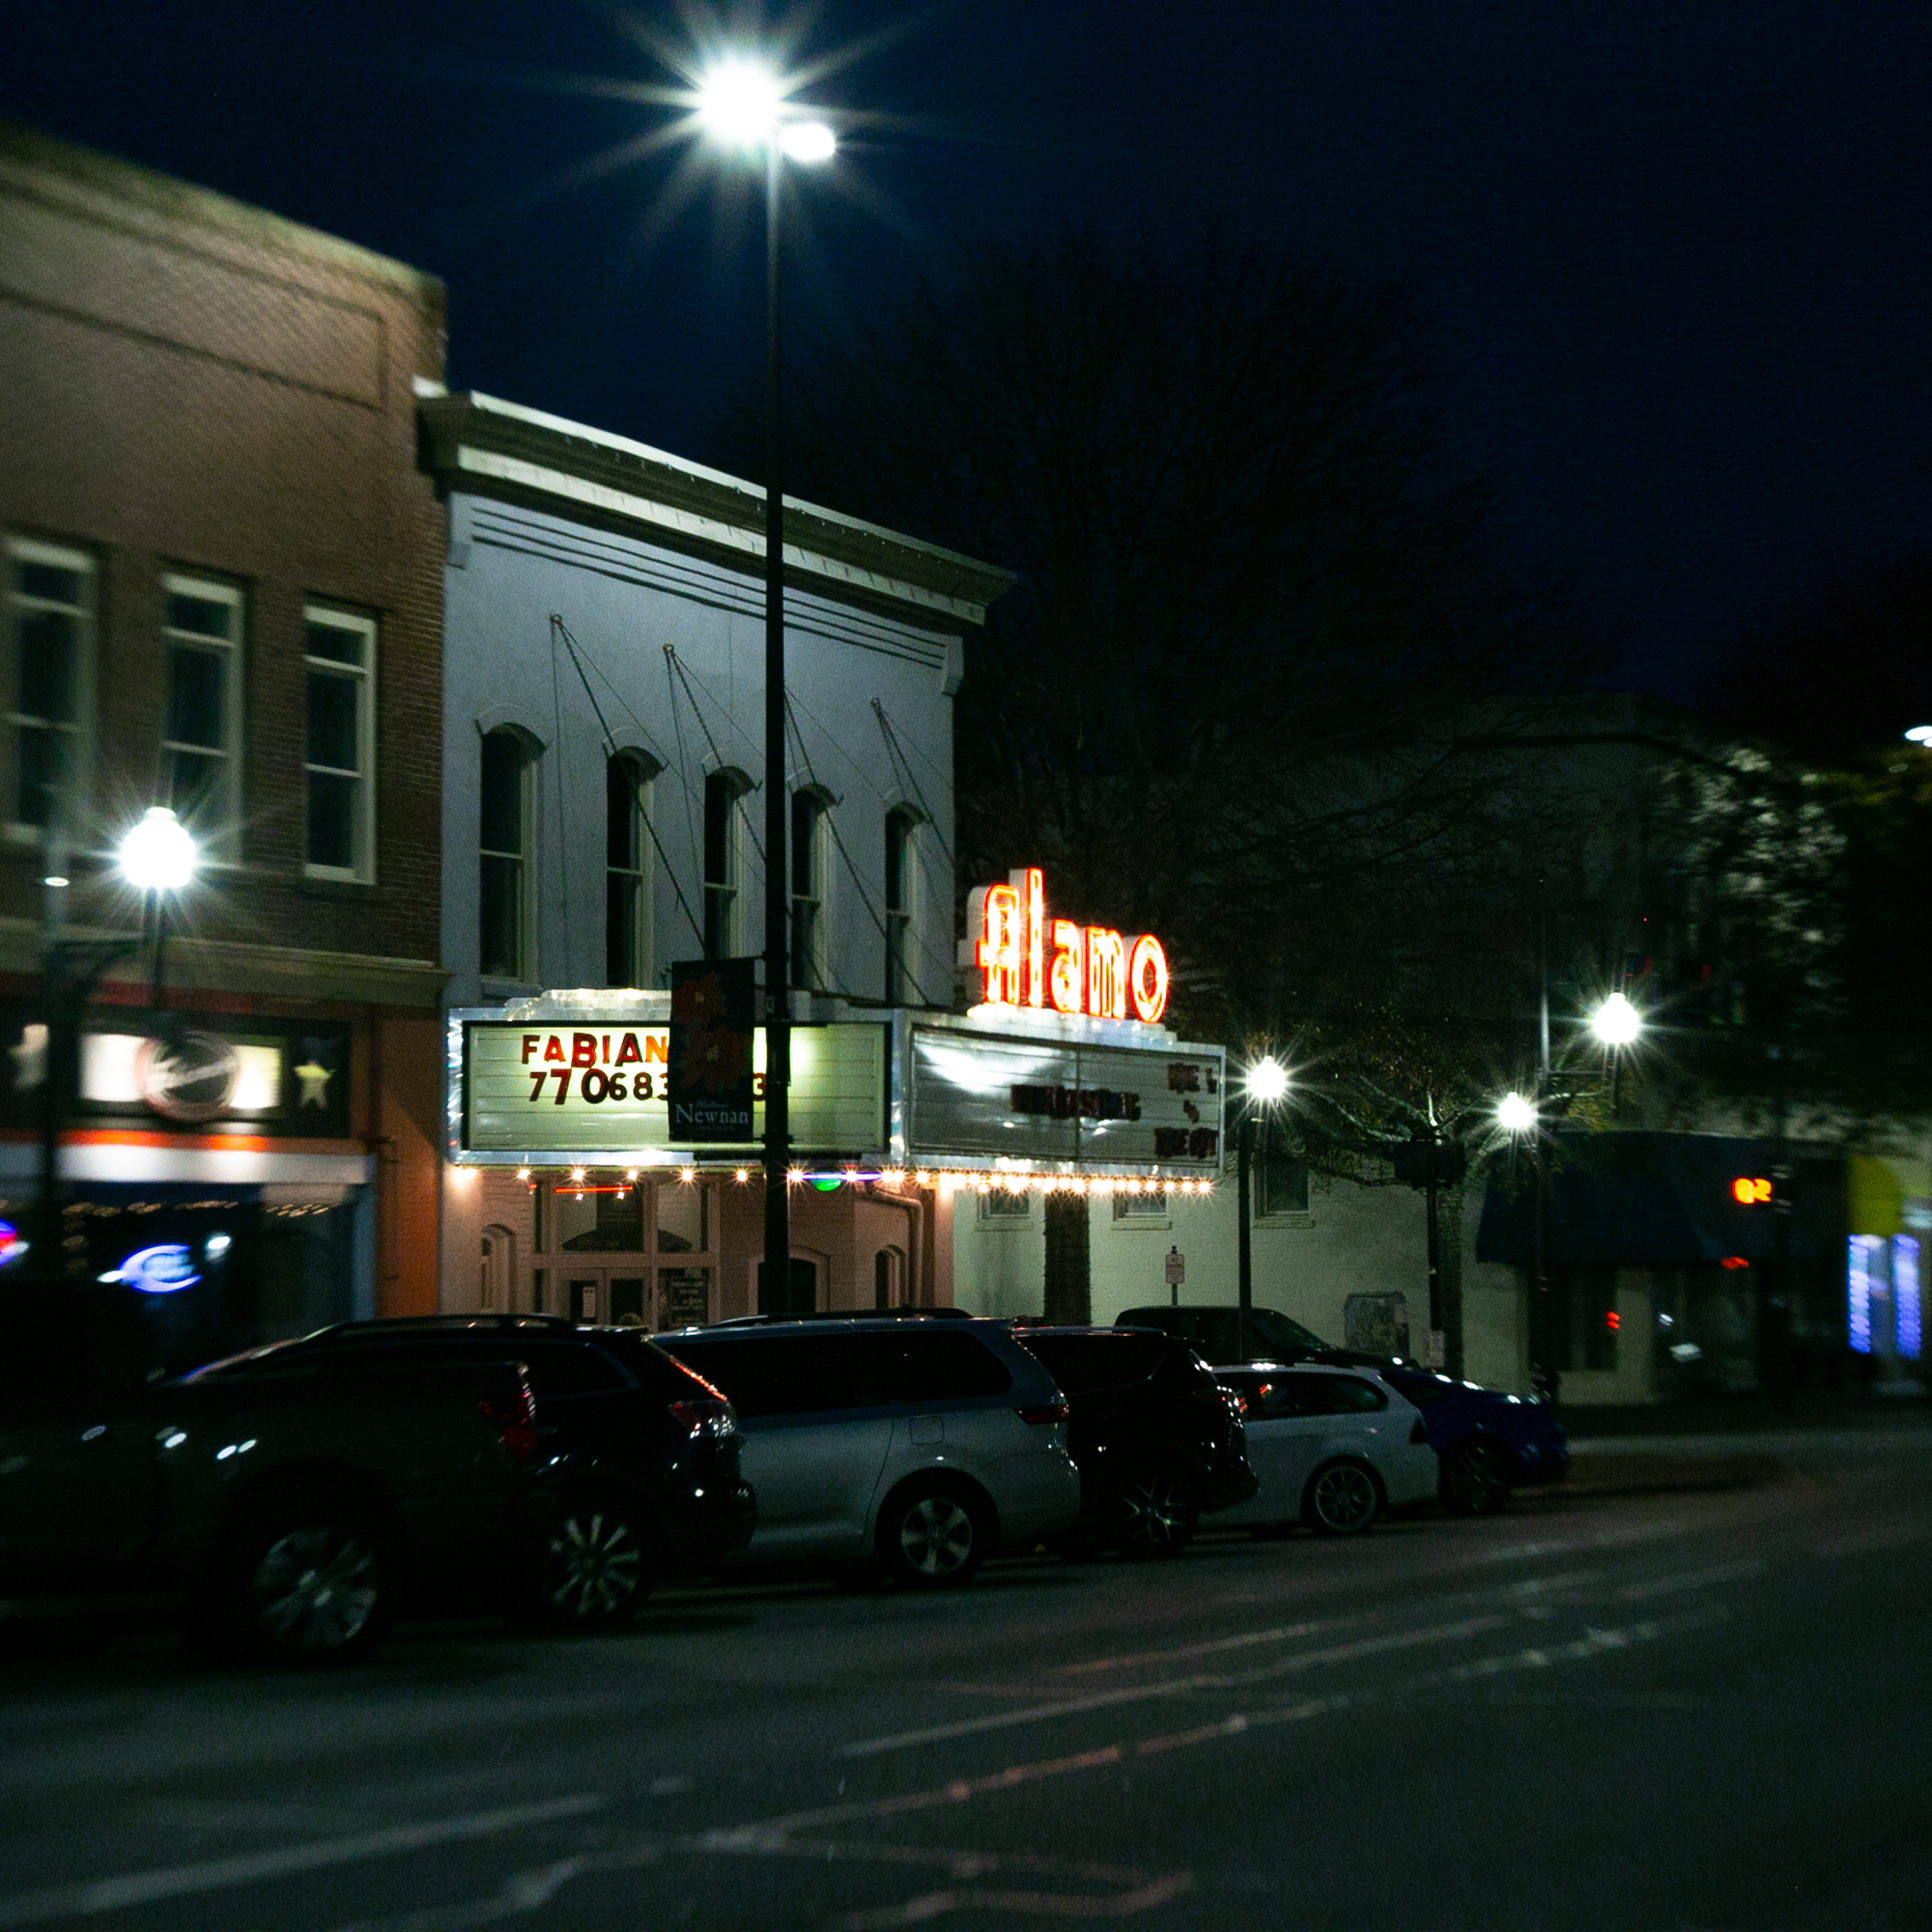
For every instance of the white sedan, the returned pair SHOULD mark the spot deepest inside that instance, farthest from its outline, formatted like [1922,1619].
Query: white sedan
[1333,1448]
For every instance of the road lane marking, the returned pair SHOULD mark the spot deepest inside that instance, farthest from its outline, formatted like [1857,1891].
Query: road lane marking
[1171,1687]
[1691,1579]
[1283,1635]
[1868,1541]
[94,1897]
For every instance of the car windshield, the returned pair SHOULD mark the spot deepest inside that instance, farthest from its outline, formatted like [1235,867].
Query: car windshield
[1082,1363]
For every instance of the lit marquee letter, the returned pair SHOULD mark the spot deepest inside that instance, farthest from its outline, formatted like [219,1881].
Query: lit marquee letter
[1031,885]
[1106,974]
[1146,977]
[1069,967]
[996,911]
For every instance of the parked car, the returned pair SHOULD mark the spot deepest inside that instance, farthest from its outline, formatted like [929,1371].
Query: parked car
[1333,1447]
[920,1447]
[292,1515]
[1157,1441]
[639,1456]
[1489,1442]
[1214,1330]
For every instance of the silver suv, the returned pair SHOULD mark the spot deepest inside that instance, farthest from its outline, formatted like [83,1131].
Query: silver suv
[922,1446]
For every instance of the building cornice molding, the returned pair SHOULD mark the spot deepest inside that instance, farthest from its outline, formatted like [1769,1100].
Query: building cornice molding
[479,443]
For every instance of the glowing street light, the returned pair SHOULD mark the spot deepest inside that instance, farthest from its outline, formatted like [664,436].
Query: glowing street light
[158,853]
[1267,1081]
[1616,1022]
[1514,1114]
[1919,734]
[743,103]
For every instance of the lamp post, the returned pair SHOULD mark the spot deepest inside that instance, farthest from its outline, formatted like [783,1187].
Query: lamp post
[1267,1083]
[158,857]
[743,103]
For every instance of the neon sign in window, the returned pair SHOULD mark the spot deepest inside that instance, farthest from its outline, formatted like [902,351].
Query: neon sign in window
[1858,1290]
[1905,1293]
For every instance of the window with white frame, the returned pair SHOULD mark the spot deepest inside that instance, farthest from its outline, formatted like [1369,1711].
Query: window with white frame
[627,869]
[201,744]
[901,886]
[52,600]
[504,843]
[807,889]
[998,1204]
[1281,1176]
[340,754]
[723,863]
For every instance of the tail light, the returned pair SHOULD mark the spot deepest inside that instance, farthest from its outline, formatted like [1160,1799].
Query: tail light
[1226,1398]
[1418,1431]
[709,1415]
[1045,1411]
[514,1418]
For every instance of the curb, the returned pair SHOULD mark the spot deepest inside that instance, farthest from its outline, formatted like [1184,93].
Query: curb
[1620,1475]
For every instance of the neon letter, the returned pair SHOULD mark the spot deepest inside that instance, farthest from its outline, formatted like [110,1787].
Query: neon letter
[996,911]
[1032,884]
[1070,966]
[1146,977]
[1106,974]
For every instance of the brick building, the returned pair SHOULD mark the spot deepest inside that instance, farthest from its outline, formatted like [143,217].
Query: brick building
[223,594]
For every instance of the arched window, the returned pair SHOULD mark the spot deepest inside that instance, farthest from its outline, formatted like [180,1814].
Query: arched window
[723,863]
[627,870]
[901,904]
[504,950]
[807,889]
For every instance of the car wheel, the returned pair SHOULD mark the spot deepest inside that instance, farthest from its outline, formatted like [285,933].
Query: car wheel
[1475,1478]
[932,1539]
[597,1568]
[308,1584]
[1342,1499]
[1151,1511]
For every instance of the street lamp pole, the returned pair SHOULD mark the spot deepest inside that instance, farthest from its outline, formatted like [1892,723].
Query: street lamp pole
[778,908]
[1266,1082]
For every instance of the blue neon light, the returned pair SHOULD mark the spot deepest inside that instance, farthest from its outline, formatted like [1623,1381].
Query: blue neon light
[1858,1291]
[1905,1293]
[166,1270]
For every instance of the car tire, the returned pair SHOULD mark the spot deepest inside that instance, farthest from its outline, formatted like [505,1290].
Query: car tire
[596,1566]
[1151,1511]
[933,1535]
[306,1583]
[1343,1498]
[1475,1478]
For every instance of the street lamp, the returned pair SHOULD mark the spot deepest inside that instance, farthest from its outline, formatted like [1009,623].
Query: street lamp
[158,857]
[1616,1022]
[1267,1083]
[1515,1114]
[742,103]
[1919,734]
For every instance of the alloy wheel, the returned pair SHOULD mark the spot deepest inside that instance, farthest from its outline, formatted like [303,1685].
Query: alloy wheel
[315,1590]
[597,1565]
[1477,1480]
[936,1536]
[1344,1498]
[1154,1514]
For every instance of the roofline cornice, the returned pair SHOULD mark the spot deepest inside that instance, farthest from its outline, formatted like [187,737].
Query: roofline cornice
[480,443]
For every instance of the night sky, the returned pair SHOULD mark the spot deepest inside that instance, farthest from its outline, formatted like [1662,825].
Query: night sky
[1677,253]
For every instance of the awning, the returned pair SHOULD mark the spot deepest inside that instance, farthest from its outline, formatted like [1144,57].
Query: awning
[1635,1198]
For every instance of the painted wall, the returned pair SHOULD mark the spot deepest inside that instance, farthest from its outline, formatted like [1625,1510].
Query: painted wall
[624,601]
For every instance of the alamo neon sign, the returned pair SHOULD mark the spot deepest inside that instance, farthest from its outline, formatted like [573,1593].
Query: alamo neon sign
[1030,960]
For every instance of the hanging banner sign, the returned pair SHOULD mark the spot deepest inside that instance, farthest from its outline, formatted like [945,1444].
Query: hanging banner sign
[709,1073]
[1027,959]
[555,1090]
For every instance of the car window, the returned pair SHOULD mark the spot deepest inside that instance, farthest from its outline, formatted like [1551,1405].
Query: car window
[1277,1331]
[773,1374]
[1301,1395]
[570,1368]
[1082,1363]
[924,1365]
[1349,1396]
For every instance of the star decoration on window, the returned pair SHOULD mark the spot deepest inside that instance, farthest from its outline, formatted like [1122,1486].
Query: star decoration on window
[315,1079]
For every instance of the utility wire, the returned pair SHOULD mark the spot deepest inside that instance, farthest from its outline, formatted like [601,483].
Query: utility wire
[697,711]
[902,765]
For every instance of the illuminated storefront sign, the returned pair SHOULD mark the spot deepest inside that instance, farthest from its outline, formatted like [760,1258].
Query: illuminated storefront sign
[1055,1102]
[1027,959]
[1752,1191]
[549,1089]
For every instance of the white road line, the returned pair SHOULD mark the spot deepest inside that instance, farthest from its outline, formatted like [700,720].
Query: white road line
[94,1896]
[1691,1579]
[1286,1633]
[1170,1687]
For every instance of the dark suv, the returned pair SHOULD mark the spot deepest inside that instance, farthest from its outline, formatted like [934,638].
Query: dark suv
[1157,1441]
[640,1453]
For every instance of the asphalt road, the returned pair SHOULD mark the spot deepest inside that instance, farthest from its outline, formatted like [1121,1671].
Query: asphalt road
[1700,1711]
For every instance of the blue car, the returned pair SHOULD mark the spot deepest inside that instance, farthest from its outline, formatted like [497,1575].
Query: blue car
[1487,1442]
